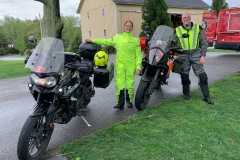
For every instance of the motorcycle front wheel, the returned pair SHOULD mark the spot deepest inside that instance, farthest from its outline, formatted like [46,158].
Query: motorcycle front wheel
[34,138]
[142,97]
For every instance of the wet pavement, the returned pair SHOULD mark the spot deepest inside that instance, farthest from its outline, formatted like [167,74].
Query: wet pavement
[16,103]
[10,57]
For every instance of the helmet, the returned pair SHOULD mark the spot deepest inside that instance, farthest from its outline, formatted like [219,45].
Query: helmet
[32,39]
[101,58]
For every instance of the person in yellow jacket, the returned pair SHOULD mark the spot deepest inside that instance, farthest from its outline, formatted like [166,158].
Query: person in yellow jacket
[128,63]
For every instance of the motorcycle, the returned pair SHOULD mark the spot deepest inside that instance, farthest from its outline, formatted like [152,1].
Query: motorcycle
[61,85]
[157,63]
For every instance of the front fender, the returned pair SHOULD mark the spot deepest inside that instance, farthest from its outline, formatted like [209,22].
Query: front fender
[40,108]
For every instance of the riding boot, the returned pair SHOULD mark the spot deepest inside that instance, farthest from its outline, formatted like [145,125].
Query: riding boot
[186,91]
[205,92]
[186,86]
[129,103]
[121,100]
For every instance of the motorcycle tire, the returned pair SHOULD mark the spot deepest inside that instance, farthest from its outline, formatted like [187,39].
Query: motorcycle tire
[142,97]
[34,138]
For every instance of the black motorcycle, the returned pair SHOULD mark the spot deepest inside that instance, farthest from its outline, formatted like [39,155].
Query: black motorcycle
[157,63]
[61,85]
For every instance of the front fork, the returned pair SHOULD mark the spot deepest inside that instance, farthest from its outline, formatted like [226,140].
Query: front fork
[152,81]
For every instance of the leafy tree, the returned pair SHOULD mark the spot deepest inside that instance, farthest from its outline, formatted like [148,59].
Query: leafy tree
[18,31]
[3,38]
[14,30]
[33,29]
[154,13]
[71,33]
[76,41]
[20,44]
[11,27]
[217,5]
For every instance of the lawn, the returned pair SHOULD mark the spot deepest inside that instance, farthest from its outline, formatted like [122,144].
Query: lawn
[11,69]
[172,130]
[222,50]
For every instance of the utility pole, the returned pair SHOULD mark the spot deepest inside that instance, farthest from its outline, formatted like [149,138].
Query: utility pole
[40,22]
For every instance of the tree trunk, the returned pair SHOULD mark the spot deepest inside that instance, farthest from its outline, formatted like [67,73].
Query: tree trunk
[51,23]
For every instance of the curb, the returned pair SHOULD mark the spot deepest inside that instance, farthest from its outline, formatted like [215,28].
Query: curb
[54,154]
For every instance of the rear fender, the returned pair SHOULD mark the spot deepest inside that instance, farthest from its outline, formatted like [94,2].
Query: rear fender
[40,108]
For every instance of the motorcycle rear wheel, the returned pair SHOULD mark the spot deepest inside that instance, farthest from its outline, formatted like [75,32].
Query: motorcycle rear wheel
[34,138]
[142,97]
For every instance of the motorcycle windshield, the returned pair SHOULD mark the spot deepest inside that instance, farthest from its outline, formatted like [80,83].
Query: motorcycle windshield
[161,38]
[47,57]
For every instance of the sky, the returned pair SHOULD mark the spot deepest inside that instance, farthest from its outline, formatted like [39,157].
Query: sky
[231,3]
[30,9]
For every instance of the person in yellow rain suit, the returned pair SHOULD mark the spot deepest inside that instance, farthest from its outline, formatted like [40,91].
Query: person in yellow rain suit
[128,63]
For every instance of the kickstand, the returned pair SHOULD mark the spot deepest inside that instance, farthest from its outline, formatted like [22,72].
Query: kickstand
[89,125]
[160,88]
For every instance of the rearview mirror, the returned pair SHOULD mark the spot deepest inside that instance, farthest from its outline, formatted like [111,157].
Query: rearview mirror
[204,24]
[147,28]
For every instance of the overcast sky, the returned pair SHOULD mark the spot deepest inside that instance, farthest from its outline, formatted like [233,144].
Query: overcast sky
[231,3]
[30,9]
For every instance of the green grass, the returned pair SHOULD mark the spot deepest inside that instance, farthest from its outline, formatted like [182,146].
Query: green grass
[11,69]
[172,130]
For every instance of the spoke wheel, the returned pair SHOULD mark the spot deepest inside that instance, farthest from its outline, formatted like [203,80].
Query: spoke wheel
[34,138]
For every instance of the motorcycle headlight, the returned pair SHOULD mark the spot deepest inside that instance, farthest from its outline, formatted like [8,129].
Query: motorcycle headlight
[45,82]
[155,56]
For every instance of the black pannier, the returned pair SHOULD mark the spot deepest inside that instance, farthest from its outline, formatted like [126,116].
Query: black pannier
[88,50]
[103,76]
[70,58]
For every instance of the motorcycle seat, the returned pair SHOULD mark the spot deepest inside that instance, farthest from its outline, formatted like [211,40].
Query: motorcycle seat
[83,66]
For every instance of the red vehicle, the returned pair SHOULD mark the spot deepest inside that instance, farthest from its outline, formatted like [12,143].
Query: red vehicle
[223,29]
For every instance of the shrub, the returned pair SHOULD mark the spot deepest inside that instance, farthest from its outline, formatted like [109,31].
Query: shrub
[12,51]
[2,51]
[31,45]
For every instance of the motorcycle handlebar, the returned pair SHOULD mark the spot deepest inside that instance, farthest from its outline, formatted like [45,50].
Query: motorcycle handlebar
[176,51]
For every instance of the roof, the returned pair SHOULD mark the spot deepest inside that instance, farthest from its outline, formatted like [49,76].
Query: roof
[172,3]
[129,1]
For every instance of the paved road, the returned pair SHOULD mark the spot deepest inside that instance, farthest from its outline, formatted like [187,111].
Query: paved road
[16,102]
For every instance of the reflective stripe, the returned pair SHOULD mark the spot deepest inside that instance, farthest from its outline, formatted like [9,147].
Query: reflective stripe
[182,39]
[192,41]
[194,36]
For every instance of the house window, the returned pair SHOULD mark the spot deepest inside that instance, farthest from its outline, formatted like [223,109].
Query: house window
[103,12]
[88,15]
[104,32]
[89,33]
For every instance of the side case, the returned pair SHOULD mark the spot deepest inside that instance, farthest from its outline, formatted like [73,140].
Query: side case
[103,76]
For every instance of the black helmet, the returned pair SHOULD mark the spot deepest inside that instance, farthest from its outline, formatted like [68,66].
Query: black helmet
[32,39]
